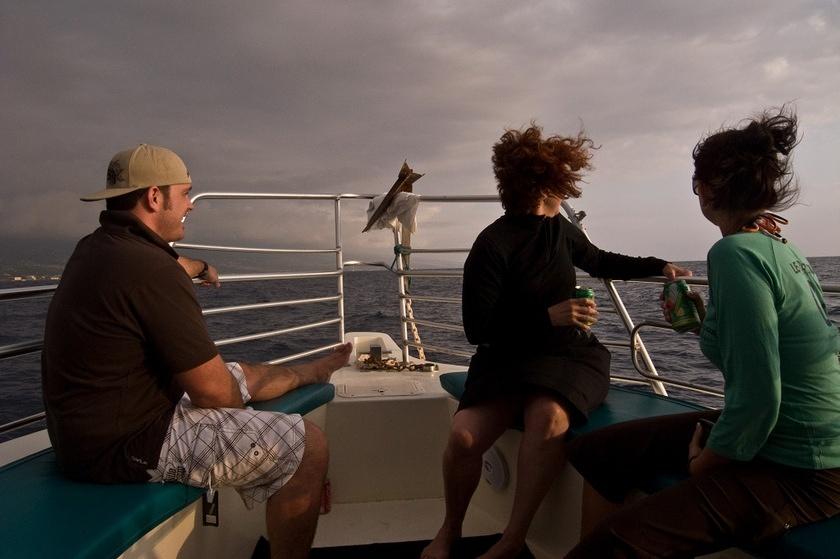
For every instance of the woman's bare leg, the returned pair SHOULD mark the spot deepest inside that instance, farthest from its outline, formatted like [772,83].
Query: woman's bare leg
[542,454]
[593,509]
[474,430]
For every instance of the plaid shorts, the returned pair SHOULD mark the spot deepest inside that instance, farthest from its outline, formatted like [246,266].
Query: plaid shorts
[255,452]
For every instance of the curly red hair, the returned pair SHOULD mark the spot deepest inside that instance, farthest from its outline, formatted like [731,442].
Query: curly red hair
[529,167]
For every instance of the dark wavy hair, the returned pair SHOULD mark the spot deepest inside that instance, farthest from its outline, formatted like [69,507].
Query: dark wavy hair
[749,168]
[528,167]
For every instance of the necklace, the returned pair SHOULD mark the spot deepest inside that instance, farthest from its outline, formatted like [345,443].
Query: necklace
[768,223]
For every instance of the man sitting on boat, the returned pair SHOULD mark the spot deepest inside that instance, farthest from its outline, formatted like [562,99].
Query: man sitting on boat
[134,388]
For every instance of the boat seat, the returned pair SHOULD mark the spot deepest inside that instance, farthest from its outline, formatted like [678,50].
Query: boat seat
[46,515]
[814,541]
[622,404]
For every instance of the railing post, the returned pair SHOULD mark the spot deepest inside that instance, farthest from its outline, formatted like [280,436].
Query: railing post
[618,303]
[657,386]
[402,291]
[339,264]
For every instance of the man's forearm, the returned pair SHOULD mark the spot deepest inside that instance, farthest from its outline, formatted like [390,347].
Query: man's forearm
[200,269]
[191,266]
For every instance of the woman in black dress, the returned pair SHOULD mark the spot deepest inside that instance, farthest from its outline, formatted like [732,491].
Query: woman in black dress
[537,361]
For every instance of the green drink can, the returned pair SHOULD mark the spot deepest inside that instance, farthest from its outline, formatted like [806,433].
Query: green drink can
[583,293]
[684,315]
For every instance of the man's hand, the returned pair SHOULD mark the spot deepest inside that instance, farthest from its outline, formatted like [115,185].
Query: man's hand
[582,313]
[210,277]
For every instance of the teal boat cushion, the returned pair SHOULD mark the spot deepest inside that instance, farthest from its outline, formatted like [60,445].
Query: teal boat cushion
[622,404]
[814,541]
[45,515]
[301,400]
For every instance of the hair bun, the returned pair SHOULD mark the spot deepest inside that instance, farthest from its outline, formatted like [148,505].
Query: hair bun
[748,168]
[782,129]
[758,140]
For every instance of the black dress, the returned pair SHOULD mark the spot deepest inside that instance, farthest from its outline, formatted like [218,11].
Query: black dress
[518,267]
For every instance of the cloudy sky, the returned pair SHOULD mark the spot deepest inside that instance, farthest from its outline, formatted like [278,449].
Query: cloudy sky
[333,96]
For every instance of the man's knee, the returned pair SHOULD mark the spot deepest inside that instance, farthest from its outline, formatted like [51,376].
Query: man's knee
[316,454]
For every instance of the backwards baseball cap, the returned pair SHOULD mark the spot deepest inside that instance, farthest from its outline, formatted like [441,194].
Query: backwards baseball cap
[141,167]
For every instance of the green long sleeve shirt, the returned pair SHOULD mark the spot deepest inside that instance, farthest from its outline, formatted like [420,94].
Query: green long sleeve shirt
[768,331]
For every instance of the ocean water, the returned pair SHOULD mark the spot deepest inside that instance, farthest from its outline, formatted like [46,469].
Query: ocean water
[371,304]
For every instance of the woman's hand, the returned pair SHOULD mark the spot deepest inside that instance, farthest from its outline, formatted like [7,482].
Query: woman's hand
[695,447]
[582,313]
[672,271]
[698,302]
[700,459]
[696,298]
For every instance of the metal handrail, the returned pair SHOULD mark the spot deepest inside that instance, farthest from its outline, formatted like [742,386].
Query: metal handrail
[23,421]
[20,348]
[302,354]
[258,249]
[638,351]
[271,305]
[440,349]
[273,333]
[11,293]
[634,338]
[430,299]
[438,325]
[434,250]
[33,346]
[430,273]
[279,275]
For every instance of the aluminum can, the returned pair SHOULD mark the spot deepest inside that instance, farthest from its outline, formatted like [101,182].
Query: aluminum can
[583,293]
[684,315]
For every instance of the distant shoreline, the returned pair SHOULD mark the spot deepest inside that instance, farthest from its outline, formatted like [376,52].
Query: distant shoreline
[24,277]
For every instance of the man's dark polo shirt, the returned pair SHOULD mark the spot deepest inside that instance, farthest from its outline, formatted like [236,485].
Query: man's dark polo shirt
[123,321]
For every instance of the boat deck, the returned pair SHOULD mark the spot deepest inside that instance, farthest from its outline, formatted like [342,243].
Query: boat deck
[393,521]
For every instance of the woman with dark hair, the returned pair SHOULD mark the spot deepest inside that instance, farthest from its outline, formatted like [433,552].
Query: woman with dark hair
[537,363]
[772,459]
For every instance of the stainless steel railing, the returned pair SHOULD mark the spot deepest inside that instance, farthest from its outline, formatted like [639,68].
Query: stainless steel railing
[575,218]
[640,357]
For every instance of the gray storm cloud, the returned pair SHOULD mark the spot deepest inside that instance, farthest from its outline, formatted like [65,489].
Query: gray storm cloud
[332,96]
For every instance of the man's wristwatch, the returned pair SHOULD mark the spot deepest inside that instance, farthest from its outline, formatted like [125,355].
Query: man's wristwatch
[203,271]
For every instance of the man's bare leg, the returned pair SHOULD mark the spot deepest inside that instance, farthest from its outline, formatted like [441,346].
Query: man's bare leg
[291,514]
[474,430]
[541,456]
[271,381]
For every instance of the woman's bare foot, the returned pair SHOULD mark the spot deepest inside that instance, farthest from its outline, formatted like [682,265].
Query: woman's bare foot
[505,548]
[440,547]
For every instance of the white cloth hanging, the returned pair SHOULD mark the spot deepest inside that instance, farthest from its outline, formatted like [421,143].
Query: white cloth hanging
[402,210]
